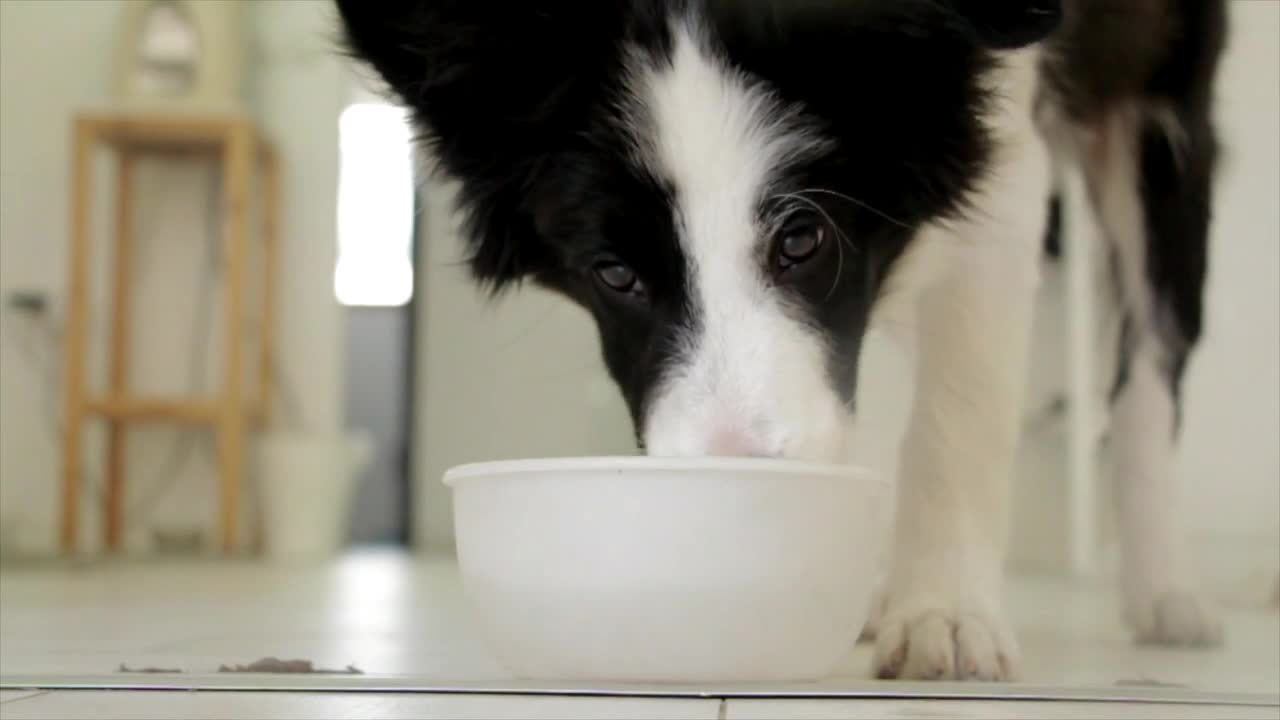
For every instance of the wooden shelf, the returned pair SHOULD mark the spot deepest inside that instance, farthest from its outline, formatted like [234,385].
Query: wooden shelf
[192,412]
[160,132]
[161,409]
[233,141]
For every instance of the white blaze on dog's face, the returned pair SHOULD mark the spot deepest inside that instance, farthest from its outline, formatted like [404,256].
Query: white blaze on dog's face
[726,186]
[750,375]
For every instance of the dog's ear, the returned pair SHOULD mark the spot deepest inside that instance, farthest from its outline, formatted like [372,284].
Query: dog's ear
[496,89]
[1008,24]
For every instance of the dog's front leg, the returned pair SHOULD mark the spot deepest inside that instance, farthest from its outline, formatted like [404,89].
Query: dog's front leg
[944,616]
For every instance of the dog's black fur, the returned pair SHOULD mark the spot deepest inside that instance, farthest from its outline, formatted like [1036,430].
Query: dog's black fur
[520,102]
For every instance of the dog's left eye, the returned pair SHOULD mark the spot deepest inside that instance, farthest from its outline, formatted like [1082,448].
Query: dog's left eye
[799,243]
[619,278]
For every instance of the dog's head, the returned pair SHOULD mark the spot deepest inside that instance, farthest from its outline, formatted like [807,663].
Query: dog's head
[724,184]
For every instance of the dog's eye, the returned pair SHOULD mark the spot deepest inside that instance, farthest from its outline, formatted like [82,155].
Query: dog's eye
[619,278]
[799,243]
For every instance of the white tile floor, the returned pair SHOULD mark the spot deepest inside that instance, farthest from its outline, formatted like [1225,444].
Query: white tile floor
[404,623]
[167,705]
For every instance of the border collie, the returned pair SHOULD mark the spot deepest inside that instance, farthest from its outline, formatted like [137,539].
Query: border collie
[736,190]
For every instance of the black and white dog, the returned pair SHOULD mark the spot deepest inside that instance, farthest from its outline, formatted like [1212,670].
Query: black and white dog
[738,189]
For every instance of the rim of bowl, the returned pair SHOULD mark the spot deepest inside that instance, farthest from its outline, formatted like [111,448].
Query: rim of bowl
[774,466]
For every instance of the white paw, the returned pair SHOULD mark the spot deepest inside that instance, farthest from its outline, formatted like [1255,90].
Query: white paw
[944,645]
[1178,619]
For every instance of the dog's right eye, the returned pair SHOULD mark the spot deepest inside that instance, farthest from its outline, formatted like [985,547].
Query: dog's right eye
[799,243]
[620,278]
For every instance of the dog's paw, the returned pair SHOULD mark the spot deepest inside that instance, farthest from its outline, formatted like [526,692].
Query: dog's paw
[938,645]
[1175,619]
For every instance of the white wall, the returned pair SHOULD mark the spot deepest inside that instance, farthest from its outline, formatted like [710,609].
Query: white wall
[55,58]
[299,87]
[1229,464]
[34,158]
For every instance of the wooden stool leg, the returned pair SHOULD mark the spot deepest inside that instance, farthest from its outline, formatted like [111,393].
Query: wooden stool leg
[270,264]
[238,176]
[120,340]
[77,317]
[267,309]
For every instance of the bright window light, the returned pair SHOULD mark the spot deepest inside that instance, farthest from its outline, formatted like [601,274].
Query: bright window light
[375,207]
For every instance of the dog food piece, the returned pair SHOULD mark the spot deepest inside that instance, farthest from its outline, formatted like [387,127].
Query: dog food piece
[286,667]
[147,670]
[1147,682]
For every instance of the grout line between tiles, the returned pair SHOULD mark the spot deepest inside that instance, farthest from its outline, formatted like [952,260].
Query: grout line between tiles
[28,696]
[865,691]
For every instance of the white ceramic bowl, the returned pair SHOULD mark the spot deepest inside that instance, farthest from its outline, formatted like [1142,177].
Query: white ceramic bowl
[643,569]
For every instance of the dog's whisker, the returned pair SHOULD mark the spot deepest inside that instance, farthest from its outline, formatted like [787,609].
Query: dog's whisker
[835,281]
[857,202]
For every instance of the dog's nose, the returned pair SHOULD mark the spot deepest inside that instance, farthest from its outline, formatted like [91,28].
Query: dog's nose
[733,442]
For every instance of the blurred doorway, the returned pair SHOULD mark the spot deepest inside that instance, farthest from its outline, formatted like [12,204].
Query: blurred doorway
[374,279]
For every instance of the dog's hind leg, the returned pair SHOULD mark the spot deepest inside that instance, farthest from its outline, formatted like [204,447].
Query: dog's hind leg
[1149,174]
